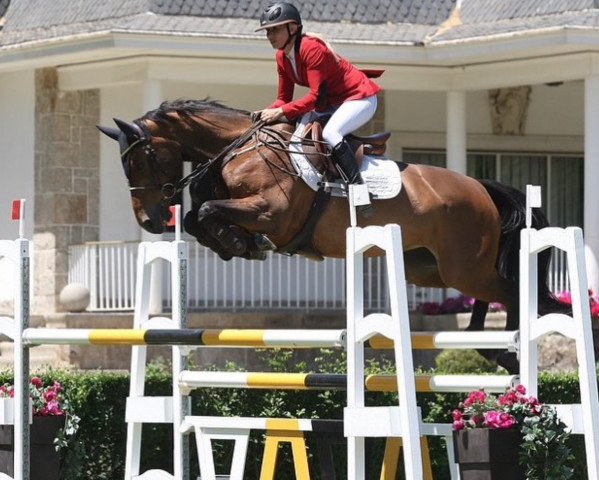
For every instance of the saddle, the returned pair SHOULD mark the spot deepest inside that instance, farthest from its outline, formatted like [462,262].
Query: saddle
[315,146]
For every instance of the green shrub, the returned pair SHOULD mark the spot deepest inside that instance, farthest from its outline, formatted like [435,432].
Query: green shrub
[463,361]
[99,399]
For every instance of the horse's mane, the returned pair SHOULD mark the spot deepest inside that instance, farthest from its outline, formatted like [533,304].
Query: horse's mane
[188,107]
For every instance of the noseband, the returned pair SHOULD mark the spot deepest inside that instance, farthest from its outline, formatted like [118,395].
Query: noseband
[168,190]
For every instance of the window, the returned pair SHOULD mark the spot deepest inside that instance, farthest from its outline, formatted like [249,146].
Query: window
[560,177]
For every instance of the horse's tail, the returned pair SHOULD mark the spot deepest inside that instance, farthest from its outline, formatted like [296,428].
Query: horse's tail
[511,204]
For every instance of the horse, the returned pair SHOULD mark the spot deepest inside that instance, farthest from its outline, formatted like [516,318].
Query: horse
[457,231]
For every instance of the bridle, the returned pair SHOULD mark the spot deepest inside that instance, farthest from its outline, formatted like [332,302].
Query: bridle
[170,190]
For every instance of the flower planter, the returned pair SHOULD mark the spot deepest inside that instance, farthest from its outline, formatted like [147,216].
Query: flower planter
[45,460]
[488,454]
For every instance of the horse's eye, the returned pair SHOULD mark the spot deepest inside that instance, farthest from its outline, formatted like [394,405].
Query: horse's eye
[139,166]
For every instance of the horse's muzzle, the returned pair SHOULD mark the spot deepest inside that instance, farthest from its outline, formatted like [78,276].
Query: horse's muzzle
[151,227]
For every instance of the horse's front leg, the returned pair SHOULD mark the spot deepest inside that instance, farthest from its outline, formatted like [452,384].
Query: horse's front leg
[235,225]
[191,226]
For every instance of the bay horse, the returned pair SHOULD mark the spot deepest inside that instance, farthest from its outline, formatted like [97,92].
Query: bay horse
[457,231]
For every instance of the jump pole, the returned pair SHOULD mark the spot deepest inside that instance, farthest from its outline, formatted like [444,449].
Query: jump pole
[190,380]
[257,338]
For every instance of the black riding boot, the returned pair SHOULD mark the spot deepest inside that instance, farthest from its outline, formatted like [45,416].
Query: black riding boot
[344,158]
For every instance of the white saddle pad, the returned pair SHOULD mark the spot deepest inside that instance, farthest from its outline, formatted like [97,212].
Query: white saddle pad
[381,174]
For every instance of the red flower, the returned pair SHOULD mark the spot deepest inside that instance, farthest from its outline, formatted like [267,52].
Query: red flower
[37,382]
[509,410]
[478,396]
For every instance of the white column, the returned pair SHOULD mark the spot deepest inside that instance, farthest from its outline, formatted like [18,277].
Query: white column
[456,131]
[591,174]
[152,98]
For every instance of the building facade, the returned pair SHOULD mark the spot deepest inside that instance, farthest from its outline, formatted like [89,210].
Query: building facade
[496,89]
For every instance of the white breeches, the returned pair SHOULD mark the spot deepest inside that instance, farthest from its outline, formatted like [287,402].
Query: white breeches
[350,116]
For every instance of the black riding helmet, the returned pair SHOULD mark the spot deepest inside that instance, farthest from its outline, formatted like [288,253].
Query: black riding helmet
[279,14]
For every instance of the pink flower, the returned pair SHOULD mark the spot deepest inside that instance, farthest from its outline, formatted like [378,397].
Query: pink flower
[53,408]
[458,425]
[501,420]
[49,395]
[510,399]
[565,297]
[457,415]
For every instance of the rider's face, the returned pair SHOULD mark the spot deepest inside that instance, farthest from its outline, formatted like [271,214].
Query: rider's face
[278,36]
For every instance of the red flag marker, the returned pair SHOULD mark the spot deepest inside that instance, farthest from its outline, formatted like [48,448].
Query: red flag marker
[18,213]
[172,222]
[16,209]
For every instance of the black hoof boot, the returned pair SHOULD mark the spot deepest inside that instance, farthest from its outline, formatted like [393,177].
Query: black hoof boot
[509,361]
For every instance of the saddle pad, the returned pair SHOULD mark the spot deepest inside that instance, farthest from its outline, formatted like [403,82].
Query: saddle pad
[380,173]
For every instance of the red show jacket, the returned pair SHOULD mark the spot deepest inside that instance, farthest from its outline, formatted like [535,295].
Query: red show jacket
[332,80]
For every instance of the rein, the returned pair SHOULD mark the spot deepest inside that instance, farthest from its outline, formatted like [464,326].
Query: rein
[277,141]
[202,169]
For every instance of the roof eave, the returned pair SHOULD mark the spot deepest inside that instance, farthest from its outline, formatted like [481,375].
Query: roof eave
[114,44]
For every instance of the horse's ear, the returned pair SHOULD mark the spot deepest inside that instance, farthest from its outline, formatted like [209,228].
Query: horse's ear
[109,132]
[131,130]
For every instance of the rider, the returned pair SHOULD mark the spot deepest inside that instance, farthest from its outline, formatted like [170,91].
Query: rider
[334,83]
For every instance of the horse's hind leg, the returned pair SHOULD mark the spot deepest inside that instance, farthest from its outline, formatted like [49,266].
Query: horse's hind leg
[507,360]
[479,313]
[487,288]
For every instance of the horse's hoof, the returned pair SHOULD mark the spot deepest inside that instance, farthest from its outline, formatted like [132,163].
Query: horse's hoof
[254,255]
[226,256]
[231,242]
[509,361]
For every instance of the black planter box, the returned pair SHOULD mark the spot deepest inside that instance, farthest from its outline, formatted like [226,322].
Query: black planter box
[45,460]
[488,454]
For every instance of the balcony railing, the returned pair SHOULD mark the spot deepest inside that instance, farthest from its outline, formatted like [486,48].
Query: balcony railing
[108,270]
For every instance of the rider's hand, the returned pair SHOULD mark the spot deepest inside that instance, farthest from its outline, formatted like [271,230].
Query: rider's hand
[255,116]
[270,115]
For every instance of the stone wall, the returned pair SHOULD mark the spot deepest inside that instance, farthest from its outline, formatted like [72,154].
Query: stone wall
[67,152]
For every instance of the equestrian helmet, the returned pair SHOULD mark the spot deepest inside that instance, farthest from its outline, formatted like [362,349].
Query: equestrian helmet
[279,14]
